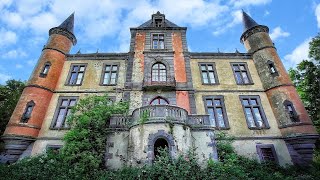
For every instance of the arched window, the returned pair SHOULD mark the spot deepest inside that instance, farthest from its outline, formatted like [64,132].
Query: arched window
[27,112]
[159,72]
[45,69]
[159,101]
[291,112]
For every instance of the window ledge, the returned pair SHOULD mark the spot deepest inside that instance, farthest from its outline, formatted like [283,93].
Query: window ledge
[258,128]
[107,84]
[246,84]
[52,128]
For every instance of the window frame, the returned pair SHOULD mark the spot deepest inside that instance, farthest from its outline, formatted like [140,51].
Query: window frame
[53,147]
[270,65]
[158,34]
[264,146]
[158,71]
[294,114]
[70,72]
[25,117]
[158,98]
[246,70]
[222,106]
[57,110]
[42,74]
[261,110]
[104,71]
[207,71]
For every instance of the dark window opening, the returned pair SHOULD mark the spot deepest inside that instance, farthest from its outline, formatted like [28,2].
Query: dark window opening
[267,152]
[159,101]
[159,72]
[158,41]
[272,68]
[291,112]
[55,149]
[159,144]
[158,23]
[27,112]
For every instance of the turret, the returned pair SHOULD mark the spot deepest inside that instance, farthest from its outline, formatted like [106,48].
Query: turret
[26,120]
[293,120]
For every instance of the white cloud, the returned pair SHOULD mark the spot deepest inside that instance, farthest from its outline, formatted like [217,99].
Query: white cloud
[7,37]
[19,66]
[278,33]
[242,3]
[266,13]
[237,19]
[4,78]
[317,13]
[16,53]
[299,53]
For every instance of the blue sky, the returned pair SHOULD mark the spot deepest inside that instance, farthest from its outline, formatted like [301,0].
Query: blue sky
[103,25]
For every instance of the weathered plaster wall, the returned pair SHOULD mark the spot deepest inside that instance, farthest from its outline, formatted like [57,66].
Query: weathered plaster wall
[92,76]
[248,148]
[227,81]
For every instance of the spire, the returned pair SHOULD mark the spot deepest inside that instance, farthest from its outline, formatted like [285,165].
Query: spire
[248,22]
[68,23]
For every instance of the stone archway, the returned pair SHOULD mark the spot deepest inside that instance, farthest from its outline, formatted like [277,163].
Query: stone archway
[159,139]
[159,143]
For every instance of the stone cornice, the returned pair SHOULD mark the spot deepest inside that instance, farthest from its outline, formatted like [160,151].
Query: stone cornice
[253,30]
[63,32]
[219,55]
[98,56]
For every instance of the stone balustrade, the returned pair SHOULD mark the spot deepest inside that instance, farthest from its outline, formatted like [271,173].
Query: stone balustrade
[169,83]
[159,113]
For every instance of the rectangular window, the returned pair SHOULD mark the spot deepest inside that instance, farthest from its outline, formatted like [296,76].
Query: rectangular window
[267,152]
[54,148]
[76,74]
[254,113]
[241,73]
[109,74]
[62,112]
[157,41]
[217,111]
[208,73]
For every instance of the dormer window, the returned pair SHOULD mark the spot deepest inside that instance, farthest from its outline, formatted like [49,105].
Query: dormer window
[158,20]
[158,23]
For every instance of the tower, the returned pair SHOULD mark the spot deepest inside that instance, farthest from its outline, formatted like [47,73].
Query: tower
[292,118]
[26,120]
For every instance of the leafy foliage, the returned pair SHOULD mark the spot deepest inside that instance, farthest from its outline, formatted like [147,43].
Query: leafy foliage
[9,96]
[306,78]
[86,141]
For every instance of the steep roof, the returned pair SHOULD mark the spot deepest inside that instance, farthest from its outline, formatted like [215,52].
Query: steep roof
[68,24]
[166,23]
[248,22]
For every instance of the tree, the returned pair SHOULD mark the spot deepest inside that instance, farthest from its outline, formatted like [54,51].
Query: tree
[306,78]
[9,96]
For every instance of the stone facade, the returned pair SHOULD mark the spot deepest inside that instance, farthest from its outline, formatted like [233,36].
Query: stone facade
[186,98]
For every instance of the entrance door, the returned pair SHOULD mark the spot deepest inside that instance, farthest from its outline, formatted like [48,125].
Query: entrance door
[160,143]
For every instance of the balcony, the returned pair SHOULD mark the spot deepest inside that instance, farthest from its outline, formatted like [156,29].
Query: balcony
[159,114]
[150,84]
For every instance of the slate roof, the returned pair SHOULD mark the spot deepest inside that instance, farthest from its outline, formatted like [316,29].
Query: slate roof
[68,24]
[248,22]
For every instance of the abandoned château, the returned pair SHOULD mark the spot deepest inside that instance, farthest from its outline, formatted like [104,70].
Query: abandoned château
[188,97]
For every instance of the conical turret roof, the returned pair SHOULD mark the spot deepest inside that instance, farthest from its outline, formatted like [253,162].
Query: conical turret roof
[248,22]
[68,23]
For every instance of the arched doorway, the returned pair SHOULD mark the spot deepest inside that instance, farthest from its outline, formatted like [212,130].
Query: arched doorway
[160,143]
